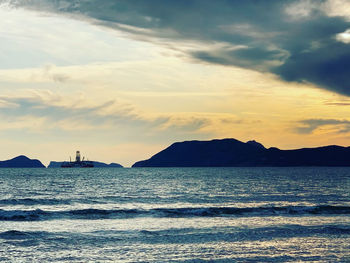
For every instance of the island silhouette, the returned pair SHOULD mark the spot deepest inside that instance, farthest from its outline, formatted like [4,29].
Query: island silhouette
[21,162]
[82,163]
[219,153]
[24,162]
[54,164]
[232,152]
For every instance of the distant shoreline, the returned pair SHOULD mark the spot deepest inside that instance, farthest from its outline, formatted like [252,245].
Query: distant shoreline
[220,153]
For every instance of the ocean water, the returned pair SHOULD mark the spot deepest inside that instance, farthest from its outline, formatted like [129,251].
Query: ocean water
[175,215]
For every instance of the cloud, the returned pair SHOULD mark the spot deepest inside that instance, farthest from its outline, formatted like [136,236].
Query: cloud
[255,58]
[300,9]
[338,103]
[339,8]
[45,111]
[310,125]
[344,37]
[65,113]
[49,73]
[302,41]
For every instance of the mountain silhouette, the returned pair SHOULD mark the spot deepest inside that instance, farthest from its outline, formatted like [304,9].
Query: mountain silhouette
[231,152]
[21,162]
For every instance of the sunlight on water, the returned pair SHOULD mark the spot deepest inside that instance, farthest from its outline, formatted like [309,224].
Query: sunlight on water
[184,215]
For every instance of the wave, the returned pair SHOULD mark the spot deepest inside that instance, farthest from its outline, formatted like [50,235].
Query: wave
[175,235]
[35,201]
[13,234]
[256,211]
[38,214]
[60,201]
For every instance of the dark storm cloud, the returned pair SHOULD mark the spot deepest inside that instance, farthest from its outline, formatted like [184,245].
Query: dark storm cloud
[299,45]
[310,125]
[255,58]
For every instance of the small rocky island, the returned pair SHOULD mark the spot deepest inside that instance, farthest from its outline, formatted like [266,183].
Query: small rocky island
[21,162]
[82,163]
[54,164]
[234,153]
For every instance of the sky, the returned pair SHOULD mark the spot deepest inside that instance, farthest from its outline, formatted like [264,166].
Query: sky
[120,80]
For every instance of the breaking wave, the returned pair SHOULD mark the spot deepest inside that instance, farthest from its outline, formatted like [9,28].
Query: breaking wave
[38,214]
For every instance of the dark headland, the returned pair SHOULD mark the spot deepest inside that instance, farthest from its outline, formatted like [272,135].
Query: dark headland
[231,153]
[21,162]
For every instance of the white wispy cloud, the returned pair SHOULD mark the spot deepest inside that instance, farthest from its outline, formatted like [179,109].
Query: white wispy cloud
[50,110]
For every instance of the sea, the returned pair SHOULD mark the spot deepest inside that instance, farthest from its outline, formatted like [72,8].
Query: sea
[175,215]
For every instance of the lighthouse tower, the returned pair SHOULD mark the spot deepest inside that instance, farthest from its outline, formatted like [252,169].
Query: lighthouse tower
[77,158]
